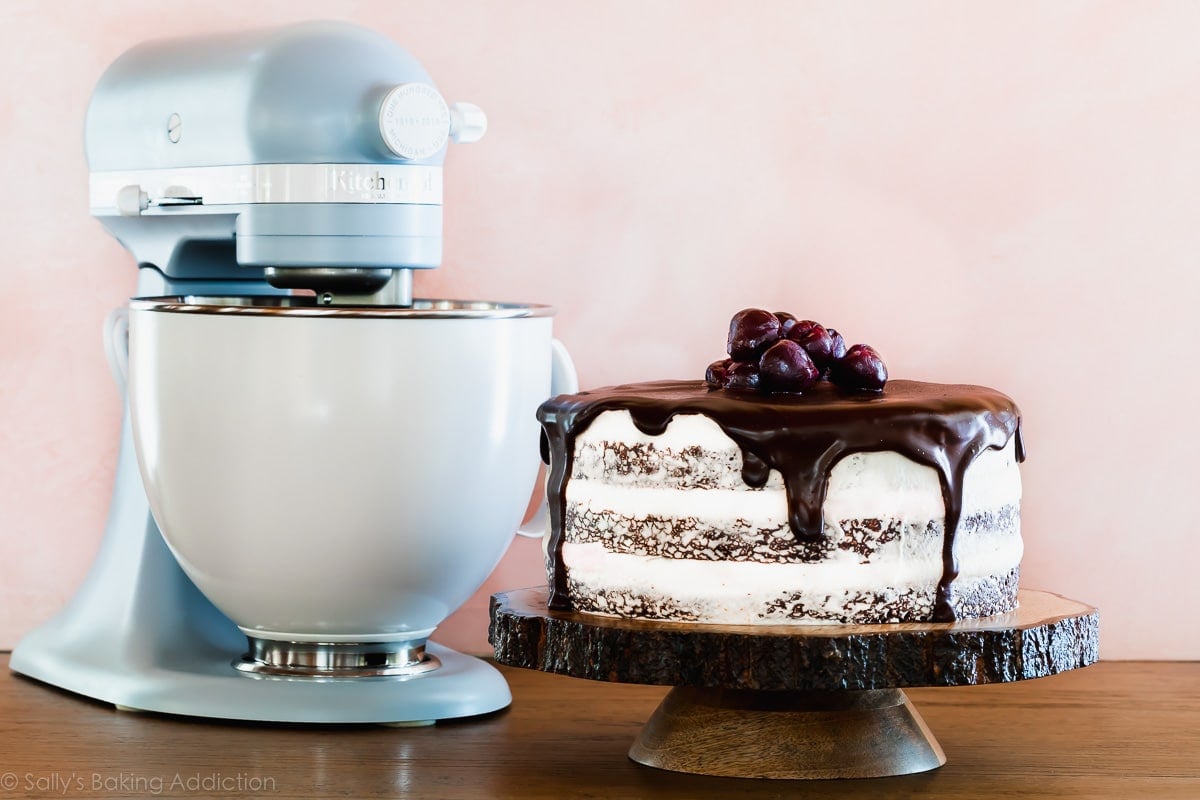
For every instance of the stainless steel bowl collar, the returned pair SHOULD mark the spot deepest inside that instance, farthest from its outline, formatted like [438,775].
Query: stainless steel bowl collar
[307,306]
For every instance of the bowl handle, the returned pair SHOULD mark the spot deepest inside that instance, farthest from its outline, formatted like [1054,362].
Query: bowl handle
[563,380]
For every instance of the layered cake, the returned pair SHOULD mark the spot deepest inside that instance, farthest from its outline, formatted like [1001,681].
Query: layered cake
[693,501]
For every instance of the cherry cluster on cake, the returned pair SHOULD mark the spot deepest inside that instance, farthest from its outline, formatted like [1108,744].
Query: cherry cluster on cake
[775,352]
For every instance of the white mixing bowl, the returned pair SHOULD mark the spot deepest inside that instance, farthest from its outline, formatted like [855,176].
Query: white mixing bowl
[338,474]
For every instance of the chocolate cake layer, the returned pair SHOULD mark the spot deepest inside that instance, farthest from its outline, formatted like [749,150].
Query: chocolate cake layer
[738,540]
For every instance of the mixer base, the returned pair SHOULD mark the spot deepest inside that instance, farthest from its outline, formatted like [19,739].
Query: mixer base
[208,686]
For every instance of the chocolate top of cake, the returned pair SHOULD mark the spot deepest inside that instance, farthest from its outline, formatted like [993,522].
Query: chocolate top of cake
[802,436]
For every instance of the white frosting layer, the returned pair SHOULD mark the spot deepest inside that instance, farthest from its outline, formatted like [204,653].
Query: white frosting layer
[683,431]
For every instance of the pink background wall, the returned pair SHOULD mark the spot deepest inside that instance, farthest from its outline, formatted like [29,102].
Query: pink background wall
[991,193]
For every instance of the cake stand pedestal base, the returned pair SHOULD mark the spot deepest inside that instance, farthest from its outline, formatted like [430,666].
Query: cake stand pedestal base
[793,701]
[755,734]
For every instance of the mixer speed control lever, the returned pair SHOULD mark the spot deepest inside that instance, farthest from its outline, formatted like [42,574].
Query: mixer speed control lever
[132,201]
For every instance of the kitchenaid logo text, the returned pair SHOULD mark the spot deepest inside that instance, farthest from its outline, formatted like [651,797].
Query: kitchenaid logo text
[353,181]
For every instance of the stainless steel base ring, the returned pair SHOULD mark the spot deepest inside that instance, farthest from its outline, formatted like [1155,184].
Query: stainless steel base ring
[335,660]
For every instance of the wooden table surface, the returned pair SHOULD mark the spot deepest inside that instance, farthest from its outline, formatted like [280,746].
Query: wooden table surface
[1123,730]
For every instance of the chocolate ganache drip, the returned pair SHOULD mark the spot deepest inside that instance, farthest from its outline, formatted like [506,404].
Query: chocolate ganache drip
[802,436]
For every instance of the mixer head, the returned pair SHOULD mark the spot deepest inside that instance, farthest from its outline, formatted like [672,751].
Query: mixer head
[309,156]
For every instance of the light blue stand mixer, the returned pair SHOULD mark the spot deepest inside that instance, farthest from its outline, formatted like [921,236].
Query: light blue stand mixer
[309,158]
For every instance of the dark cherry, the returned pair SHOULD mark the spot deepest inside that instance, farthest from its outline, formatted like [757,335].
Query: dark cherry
[786,322]
[816,341]
[743,375]
[786,367]
[861,368]
[839,344]
[751,331]
[717,373]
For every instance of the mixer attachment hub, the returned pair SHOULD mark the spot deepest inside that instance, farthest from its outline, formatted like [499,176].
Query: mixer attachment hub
[335,660]
[344,286]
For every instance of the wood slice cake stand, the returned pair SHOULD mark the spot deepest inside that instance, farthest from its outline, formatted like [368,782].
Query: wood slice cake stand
[793,701]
